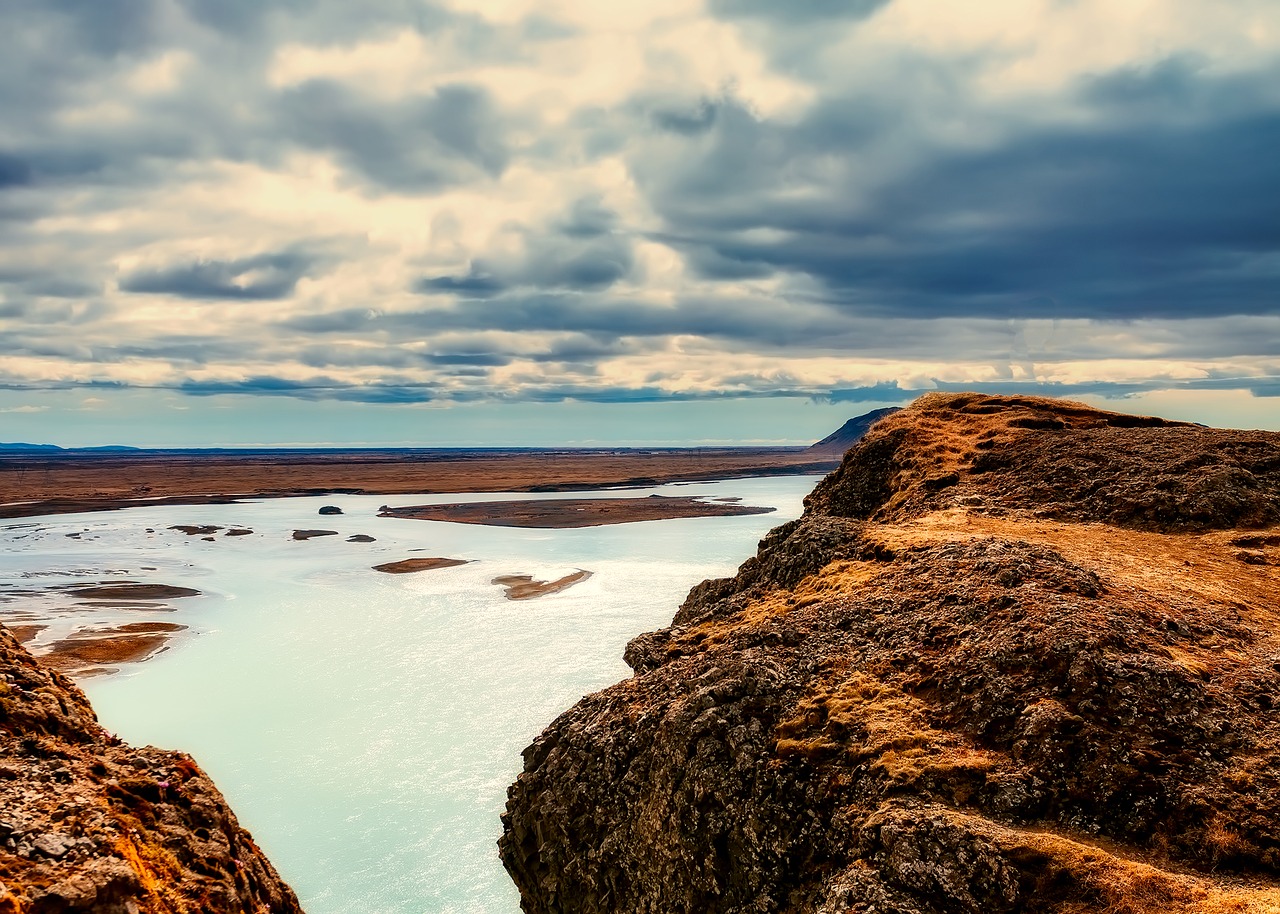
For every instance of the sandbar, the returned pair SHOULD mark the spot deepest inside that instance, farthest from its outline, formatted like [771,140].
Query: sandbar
[563,513]
[133,592]
[25,632]
[406,566]
[524,587]
[132,642]
[309,534]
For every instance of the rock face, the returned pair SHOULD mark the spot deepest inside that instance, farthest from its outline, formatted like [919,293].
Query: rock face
[849,434]
[89,824]
[1017,655]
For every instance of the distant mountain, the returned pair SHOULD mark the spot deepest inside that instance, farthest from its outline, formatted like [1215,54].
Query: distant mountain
[849,434]
[19,447]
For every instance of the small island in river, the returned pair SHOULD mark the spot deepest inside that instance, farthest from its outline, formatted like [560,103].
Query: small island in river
[524,587]
[408,566]
[563,513]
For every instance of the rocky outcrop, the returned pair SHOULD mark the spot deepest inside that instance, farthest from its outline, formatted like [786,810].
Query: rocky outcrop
[1017,655]
[849,434]
[89,824]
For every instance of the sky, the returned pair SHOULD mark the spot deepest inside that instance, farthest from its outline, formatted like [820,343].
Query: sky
[235,222]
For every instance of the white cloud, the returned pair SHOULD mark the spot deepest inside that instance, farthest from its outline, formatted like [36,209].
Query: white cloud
[789,205]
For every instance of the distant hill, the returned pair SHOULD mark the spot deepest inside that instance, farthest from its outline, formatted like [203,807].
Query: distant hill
[19,447]
[849,434]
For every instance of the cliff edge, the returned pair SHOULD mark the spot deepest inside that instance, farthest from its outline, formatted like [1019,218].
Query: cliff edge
[89,824]
[1017,655]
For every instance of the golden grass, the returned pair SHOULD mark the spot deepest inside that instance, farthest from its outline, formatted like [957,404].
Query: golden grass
[1184,571]
[1102,877]
[869,719]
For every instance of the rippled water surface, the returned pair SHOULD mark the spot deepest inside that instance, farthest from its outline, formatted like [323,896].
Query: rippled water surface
[365,726]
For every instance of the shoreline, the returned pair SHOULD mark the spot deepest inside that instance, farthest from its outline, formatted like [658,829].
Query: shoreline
[67,485]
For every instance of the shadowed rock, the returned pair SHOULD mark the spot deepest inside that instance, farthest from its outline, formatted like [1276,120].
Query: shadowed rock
[1009,660]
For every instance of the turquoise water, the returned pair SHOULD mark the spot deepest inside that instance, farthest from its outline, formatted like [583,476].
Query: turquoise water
[365,726]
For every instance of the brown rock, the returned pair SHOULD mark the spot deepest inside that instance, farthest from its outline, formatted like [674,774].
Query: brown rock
[311,534]
[1008,660]
[91,825]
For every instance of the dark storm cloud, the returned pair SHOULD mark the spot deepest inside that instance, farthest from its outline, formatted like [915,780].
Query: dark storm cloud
[472,284]
[14,171]
[106,27]
[588,218]
[322,388]
[424,142]
[486,359]
[757,322]
[62,54]
[1119,219]
[263,277]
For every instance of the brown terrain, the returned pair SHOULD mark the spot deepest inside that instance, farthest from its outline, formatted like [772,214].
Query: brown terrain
[408,566]
[573,512]
[89,824]
[97,649]
[1018,655]
[524,587]
[36,484]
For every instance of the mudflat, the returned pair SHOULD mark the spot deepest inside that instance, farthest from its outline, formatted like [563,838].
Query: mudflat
[524,587]
[92,650]
[32,485]
[408,566]
[573,512]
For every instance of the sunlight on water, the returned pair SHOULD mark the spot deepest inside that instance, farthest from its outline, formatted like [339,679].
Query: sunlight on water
[365,726]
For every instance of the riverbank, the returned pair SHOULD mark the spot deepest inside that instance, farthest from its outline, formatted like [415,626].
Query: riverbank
[37,485]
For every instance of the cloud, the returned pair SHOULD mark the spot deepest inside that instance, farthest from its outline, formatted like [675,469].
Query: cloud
[1102,219]
[637,202]
[797,13]
[23,409]
[262,277]
[453,135]
[580,250]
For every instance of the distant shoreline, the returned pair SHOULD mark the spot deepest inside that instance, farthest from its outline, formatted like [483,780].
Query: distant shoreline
[35,484]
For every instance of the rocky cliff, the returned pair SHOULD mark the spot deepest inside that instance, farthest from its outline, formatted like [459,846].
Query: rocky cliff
[1017,655]
[89,824]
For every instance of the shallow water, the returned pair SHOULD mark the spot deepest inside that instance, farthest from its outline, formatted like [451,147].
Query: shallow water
[365,726]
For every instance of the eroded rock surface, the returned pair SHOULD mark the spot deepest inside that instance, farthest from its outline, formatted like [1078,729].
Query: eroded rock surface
[89,824]
[1010,659]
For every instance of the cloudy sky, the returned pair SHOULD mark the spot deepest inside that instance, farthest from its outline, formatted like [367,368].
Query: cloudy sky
[533,221]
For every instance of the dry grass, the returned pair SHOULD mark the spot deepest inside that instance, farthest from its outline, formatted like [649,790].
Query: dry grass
[1126,884]
[867,719]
